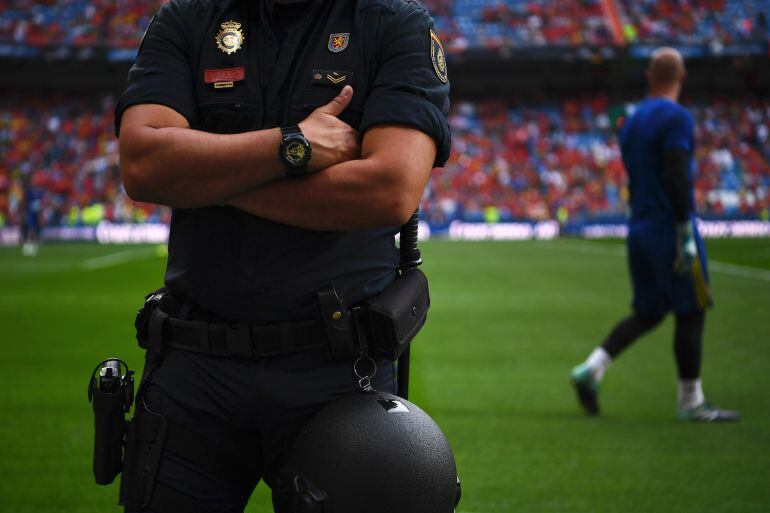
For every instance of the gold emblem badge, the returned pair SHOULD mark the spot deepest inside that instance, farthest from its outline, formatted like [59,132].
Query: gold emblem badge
[437,57]
[338,42]
[230,38]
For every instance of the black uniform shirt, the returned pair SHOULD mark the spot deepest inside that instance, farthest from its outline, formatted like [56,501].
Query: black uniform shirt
[218,63]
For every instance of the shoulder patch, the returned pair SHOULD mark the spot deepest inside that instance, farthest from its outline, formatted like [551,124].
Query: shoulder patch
[438,57]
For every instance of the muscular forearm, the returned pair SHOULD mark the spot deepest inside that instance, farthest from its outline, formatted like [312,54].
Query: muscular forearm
[186,168]
[354,195]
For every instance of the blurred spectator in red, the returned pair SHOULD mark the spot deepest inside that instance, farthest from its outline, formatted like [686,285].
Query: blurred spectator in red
[69,147]
[562,161]
[552,159]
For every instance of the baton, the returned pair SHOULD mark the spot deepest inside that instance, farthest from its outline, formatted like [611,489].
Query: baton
[409,259]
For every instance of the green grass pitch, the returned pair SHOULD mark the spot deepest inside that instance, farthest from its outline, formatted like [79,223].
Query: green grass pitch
[507,323]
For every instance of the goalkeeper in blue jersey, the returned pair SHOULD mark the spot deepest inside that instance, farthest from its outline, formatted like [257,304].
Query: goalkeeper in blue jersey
[666,255]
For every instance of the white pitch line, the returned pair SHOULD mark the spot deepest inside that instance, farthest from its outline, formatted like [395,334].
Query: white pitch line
[119,258]
[739,270]
[593,248]
[743,271]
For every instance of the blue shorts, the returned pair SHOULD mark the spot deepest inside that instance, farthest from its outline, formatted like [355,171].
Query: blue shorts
[657,289]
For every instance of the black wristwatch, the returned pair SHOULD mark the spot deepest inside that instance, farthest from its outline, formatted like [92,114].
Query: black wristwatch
[295,151]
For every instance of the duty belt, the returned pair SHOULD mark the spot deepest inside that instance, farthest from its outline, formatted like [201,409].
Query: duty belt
[240,340]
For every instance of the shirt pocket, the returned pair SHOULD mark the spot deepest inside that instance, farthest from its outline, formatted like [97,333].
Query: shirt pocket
[302,106]
[227,115]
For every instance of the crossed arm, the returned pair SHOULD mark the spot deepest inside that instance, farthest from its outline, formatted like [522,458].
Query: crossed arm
[382,188]
[164,161]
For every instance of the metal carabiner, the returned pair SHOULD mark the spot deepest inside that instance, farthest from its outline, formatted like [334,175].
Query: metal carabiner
[365,380]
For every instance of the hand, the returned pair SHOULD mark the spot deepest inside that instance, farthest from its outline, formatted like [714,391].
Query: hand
[686,250]
[332,141]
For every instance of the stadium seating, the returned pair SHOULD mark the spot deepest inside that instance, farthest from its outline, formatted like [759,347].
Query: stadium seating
[561,160]
[463,24]
[554,159]
[67,147]
[76,23]
[696,21]
[521,23]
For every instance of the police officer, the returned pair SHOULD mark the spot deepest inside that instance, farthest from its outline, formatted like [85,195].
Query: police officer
[291,139]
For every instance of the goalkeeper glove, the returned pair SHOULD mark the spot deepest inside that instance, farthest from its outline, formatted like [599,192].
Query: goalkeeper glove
[686,250]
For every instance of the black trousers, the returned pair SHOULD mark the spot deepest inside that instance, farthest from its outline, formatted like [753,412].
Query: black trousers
[248,411]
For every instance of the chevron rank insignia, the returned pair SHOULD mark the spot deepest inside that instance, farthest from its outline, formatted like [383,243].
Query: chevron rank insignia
[332,77]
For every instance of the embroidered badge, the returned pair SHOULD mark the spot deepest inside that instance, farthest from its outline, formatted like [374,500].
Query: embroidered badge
[437,57]
[230,38]
[338,42]
[331,77]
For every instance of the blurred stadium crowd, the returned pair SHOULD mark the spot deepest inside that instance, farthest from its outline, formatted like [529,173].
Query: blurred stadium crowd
[524,160]
[63,152]
[463,24]
[77,23]
[512,23]
[511,160]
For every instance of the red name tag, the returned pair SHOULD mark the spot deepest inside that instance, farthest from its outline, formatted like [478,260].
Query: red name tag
[212,76]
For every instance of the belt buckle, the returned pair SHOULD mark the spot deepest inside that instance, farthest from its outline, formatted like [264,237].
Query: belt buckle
[238,340]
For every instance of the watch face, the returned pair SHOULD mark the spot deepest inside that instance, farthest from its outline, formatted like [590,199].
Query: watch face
[296,152]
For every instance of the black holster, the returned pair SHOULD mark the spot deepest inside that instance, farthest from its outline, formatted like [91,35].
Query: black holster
[109,429]
[110,409]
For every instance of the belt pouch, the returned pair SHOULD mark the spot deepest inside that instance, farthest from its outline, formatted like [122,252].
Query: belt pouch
[396,316]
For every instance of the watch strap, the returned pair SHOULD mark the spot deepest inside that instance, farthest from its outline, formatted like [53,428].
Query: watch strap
[288,131]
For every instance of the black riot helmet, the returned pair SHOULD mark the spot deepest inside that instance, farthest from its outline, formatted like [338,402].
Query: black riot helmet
[368,452]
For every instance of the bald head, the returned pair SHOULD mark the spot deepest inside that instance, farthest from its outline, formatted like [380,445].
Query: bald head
[666,68]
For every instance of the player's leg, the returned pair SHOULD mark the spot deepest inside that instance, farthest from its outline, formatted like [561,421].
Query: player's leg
[34,236]
[25,247]
[649,309]
[625,333]
[587,376]
[692,296]
[688,336]
[688,349]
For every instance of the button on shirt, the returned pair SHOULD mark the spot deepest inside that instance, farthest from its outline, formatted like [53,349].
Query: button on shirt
[236,265]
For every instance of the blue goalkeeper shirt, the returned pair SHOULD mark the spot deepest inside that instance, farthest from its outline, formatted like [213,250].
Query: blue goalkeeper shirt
[658,125]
